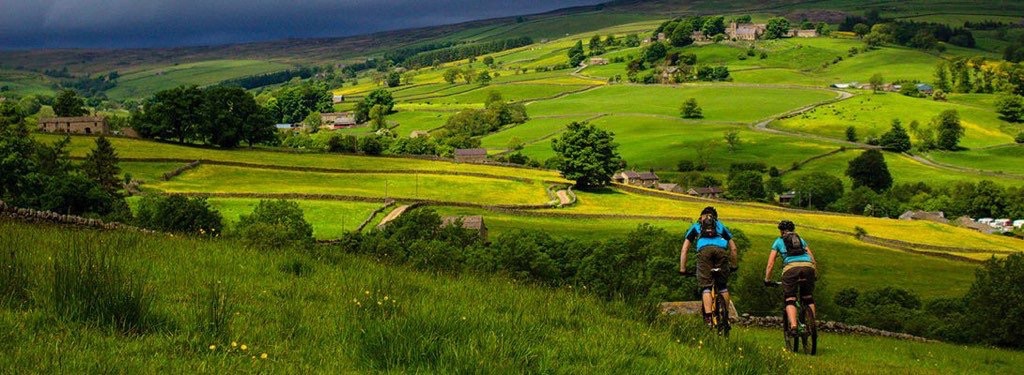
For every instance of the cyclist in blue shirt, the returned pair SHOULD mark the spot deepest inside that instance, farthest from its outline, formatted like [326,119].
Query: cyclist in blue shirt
[799,269]
[711,238]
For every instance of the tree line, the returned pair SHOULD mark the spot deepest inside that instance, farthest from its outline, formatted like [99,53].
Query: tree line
[459,52]
[220,115]
[267,79]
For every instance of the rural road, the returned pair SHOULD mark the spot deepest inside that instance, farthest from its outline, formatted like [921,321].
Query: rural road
[563,198]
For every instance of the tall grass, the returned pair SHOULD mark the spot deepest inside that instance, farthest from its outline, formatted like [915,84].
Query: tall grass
[14,277]
[91,285]
[215,313]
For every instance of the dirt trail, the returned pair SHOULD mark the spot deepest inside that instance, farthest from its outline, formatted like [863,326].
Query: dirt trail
[394,214]
[563,197]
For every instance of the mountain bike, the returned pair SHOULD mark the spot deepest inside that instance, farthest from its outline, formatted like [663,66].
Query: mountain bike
[719,307]
[806,329]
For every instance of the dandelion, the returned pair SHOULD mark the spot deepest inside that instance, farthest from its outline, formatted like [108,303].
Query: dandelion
[213,347]
[463,318]
[244,347]
[234,344]
[367,292]
[385,298]
[263,356]
[379,303]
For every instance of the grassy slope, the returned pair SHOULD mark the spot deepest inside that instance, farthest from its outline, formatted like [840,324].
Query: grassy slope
[147,82]
[425,324]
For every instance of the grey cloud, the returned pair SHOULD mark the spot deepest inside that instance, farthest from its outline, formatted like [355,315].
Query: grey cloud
[152,23]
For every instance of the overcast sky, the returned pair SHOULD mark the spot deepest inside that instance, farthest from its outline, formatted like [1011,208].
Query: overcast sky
[26,24]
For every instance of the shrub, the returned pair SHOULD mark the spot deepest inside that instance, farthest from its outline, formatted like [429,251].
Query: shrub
[686,166]
[180,214]
[1020,137]
[994,302]
[276,224]
[91,285]
[847,298]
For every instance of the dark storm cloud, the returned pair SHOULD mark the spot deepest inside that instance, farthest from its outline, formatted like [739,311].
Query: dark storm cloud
[150,23]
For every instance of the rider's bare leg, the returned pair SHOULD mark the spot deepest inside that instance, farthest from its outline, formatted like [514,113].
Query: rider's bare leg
[791,313]
[708,300]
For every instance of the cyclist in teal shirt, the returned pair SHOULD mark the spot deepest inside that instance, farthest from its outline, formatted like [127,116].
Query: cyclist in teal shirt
[799,269]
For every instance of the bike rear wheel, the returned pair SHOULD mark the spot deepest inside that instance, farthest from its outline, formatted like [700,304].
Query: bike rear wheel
[722,316]
[810,334]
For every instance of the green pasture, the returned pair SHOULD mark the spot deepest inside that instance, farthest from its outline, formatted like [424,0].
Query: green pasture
[1000,159]
[135,148]
[221,179]
[146,171]
[25,83]
[536,130]
[661,142]
[872,115]
[907,170]
[330,219]
[721,103]
[509,92]
[893,63]
[147,82]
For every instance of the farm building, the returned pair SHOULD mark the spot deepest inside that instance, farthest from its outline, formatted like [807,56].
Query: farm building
[471,155]
[812,33]
[338,99]
[969,223]
[598,61]
[668,74]
[937,216]
[337,120]
[418,134]
[474,223]
[77,125]
[672,188]
[626,177]
[648,179]
[787,197]
[746,31]
[712,192]
[128,132]
[661,37]
[925,88]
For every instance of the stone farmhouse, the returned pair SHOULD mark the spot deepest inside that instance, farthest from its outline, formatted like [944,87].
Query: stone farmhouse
[598,61]
[626,177]
[745,31]
[471,155]
[76,125]
[337,99]
[646,179]
[672,188]
[337,120]
[474,223]
[712,192]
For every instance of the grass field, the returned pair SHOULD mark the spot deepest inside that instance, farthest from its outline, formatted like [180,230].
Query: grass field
[872,115]
[147,82]
[220,179]
[325,320]
[903,169]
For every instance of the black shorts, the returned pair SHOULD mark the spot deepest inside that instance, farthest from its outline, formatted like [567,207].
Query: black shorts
[710,257]
[798,277]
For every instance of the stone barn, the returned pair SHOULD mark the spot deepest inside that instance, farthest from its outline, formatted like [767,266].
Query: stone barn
[471,155]
[474,223]
[75,125]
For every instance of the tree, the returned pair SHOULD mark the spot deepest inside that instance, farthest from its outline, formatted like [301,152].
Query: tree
[746,185]
[371,145]
[230,115]
[451,75]
[949,129]
[171,114]
[313,121]
[942,77]
[379,97]
[469,75]
[100,165]
[655,53]
[632,40]
[776,28]
[817,189]
[484,77]
[851,134]
[610,40]
[713,26]
[575,54]
[1010,107]
[896,139]
[588,153]
[682,35]
[876,82]
[393,79]
[861,30]
[870,170]
[180,214]
[732,138]
[378,117]
[596,48]
[488,60]
[994,300]
[690,109]
[69,104]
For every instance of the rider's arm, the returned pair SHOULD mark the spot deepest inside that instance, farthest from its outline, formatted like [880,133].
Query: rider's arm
[682,255]
[771,265]
[732,250]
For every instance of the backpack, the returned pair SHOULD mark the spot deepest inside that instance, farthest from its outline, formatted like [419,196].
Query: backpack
[708,227]
[794,245]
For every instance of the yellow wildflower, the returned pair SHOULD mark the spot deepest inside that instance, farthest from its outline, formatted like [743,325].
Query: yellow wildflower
[213,347]
[263,356]
[234,344]
[244,347]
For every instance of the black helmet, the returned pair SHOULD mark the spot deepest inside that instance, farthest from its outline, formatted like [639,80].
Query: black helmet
[787,225]
[709,210]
